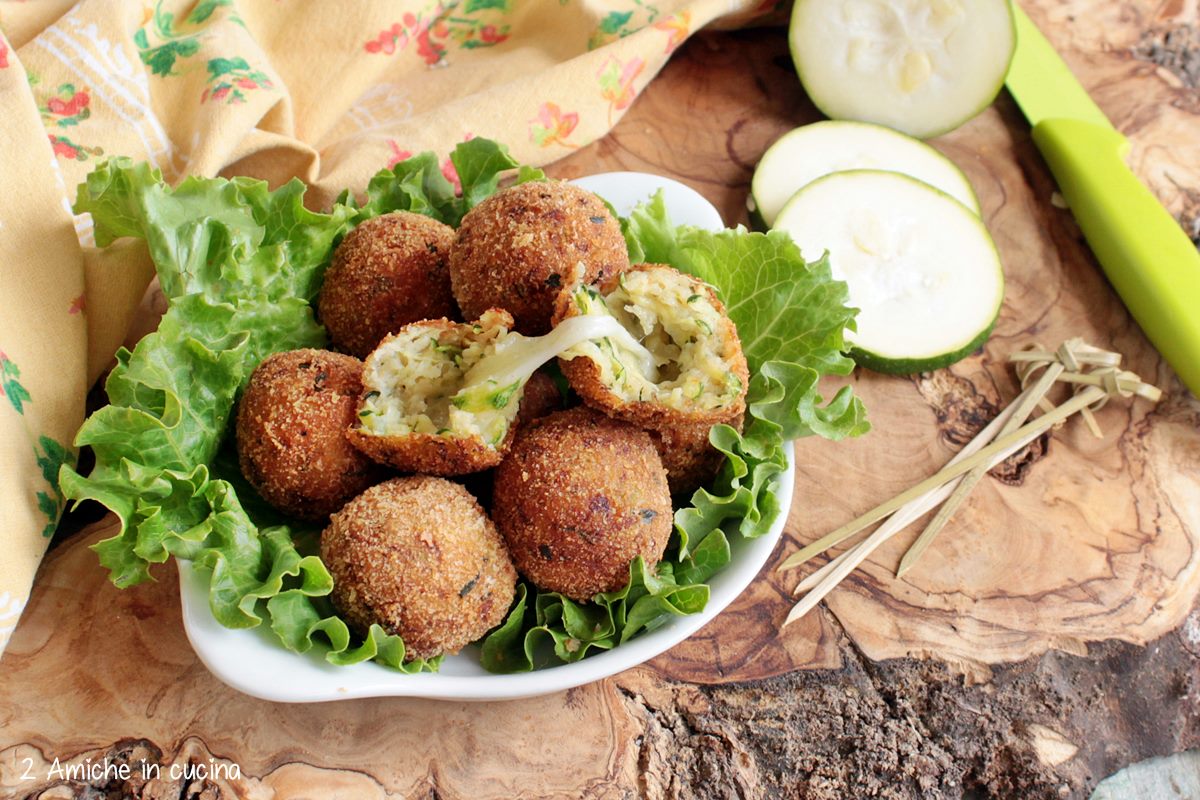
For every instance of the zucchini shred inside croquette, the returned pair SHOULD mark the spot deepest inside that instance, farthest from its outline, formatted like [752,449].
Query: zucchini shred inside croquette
[700,373]
[415,413]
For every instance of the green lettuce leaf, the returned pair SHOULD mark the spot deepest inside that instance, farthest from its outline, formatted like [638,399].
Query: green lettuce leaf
[544,627]
[418,185]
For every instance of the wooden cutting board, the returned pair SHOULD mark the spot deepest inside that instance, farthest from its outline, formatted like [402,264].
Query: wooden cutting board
[1076,541]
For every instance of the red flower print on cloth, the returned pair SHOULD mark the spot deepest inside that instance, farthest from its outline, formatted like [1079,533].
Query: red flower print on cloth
[398,155]
[676,27]
[68,107]
[616,83]
[231,78]
[552,126]
[65,148]
[3,54]
[440,25]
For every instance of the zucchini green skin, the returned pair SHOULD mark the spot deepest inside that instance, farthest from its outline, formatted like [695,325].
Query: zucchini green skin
[891,365]
[754,205]
[912,366]
[757,223]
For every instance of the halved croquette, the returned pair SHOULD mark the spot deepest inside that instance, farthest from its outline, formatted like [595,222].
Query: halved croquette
[417,413]
[700,373]
[291,426]
[418,557]
[578,497]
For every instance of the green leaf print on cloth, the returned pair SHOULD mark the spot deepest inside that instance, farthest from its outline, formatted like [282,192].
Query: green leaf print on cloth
[50,457]
[231,77]
[172,40]
[10,387]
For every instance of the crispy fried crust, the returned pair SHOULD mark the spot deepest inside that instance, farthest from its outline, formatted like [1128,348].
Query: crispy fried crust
[419,557]
[290,426]
[541,398]
[389,271]
[519,247]
[431,454]
[428,453]
[578,497]
[584,375]
[690,461]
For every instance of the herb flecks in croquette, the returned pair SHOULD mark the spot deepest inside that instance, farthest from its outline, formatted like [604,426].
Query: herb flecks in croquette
[700,373]
[413,415]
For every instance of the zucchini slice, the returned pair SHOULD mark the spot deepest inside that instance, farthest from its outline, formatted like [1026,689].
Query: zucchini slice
[921,268]
[923,67]
[802,155]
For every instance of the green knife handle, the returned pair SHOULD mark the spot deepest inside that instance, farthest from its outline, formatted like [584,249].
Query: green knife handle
[1142,249]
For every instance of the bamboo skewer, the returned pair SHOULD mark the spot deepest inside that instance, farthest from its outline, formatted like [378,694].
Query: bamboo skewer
[1004,435]
[912,511]
[853,527]
[855,556]
[1024,405]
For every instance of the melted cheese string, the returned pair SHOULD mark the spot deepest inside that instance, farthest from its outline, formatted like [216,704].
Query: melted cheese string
[518,357]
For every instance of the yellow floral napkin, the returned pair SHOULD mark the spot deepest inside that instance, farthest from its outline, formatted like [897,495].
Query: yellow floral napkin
[326,91]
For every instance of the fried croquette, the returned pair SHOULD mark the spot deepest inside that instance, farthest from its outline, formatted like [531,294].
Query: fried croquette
[291,426]
[389,271]
[700,371]
[520,247]
[687,455]
[541,399]
[418,415]
[418,557]
[577,498]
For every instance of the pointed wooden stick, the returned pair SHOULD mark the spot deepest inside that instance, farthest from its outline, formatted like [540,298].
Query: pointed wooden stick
[854,557]
[919,506]
[894,524]
[1002,444]
[855,526]
[816,577]
[1024,406]
[1011,433]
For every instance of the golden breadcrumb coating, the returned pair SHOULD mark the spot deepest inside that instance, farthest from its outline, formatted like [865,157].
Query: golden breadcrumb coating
[291,426]
[690,460]
[389,271]
[418,557]
[541,399]
[518,248]
[577,498]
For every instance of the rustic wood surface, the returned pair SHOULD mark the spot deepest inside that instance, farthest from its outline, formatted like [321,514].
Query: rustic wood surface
[1007,687]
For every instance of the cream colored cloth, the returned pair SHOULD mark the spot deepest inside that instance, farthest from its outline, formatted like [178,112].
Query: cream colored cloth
[327,91]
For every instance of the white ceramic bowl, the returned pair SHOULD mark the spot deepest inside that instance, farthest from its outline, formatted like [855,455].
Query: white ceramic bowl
[252,660]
